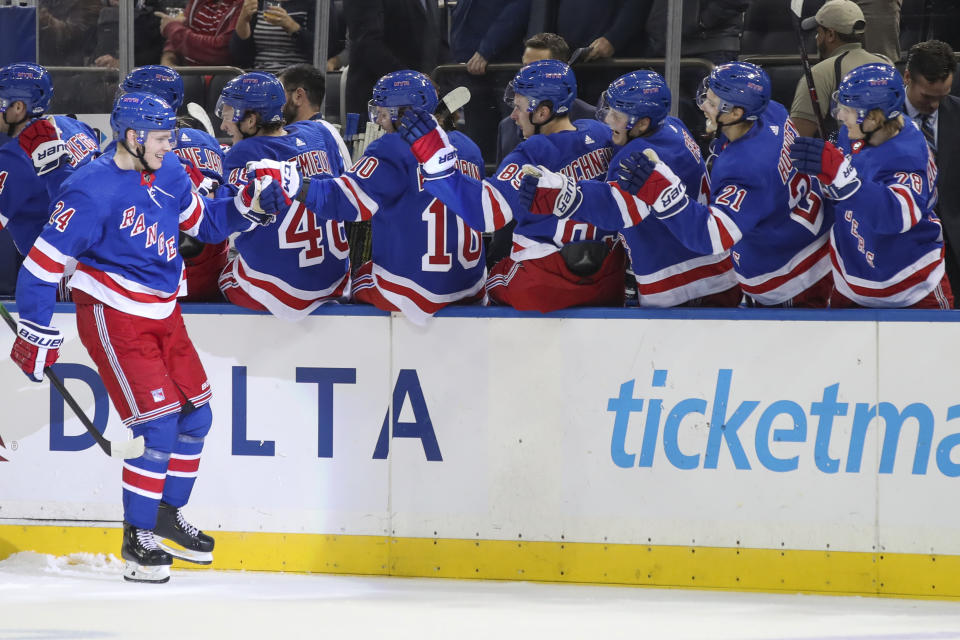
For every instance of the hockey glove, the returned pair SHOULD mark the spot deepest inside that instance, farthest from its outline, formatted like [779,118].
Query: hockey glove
[545,192]
[429,143]
[284,173]
[42,142]
[260,200]
[36,347]
[201,184]
[644,175]
[837,176]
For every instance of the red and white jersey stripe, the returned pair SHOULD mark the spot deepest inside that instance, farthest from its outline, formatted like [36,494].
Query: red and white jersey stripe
[805,269]
[364,205]
[413,300]
[148,484]
[280,298]
[685,281]
[905,288]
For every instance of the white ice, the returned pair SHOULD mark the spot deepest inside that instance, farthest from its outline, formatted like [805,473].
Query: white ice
[83,596]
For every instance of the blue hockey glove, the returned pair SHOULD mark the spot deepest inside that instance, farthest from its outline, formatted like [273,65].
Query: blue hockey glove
[644,175]
[428,142]
[546,192]
[820,158]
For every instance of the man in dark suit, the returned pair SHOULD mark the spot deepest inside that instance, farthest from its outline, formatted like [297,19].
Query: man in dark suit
[385,36]
[929,77]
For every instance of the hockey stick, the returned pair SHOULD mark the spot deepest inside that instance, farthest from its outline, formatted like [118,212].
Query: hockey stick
[796,8]
[197,112]
[453,102]
[123,450]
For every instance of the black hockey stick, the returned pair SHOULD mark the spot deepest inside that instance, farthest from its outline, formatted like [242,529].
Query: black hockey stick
[123,450]
[796,8]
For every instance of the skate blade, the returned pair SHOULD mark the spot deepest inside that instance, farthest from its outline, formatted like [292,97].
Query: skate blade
[134,572]
[196,557]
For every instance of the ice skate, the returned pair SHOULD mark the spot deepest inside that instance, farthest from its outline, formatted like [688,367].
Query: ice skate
[181,539]
[146,561]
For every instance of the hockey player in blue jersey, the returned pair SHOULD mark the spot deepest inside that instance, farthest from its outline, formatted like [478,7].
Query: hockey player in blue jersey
[770,216]
[299,262]
[555,263]
[119,217]
[636,106]
[45,151]
[881,183]
[424,257]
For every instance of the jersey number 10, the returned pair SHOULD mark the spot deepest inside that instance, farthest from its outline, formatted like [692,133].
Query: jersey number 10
[438,257]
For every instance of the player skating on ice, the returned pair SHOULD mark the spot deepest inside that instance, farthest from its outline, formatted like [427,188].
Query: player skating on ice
[880,182]
[300,261]
[555,263]
[424,257]
[768,215]
[636,106]
[119,217]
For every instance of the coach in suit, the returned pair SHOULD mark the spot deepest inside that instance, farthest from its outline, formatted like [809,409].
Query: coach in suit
[928,77]
[385,36]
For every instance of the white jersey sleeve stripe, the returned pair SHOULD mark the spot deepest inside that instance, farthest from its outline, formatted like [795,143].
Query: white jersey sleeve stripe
[496,209]
[364,204]
[908,206]
[727,231]
[632,209]
[191,217]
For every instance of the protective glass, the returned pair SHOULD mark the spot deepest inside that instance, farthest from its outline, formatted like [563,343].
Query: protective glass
[237,115]
[616,120]
[173,133]
[373,111]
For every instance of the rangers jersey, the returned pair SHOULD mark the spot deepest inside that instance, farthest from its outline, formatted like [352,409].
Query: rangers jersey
[667,272]
[770,216]
[489,204]
[121,227]
[424,256]
[25,197]
[886,241]
[298,262]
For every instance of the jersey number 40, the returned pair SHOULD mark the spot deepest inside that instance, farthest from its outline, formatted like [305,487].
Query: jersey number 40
[300,230]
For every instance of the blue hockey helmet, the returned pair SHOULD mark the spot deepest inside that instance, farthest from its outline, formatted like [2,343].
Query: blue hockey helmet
[28,83]
[156,79]
[738,84]
[142,112]
[871,86]
[544,80]
[256,92]
[402,89]
[638,94]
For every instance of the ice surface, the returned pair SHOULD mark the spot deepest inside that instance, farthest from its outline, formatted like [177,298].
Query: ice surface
[83,596]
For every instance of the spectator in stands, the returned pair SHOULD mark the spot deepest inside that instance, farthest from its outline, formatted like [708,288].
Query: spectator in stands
[201,34]
[607,27]
[67,31]
[710,30]
[485,31]
[147,38]
[385,36]
[882,34]
[271,38]
[929,76]
[840,27]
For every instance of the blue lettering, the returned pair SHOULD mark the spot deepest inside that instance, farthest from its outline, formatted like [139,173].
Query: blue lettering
[408,385]
[826,410]
[944,463]
[671,429]
[724,429]
[60,441]
[622,406]
[797,433]
[240,446]
[325,378]
[649,445]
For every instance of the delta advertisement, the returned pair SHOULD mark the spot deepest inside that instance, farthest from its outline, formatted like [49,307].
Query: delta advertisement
[700,432]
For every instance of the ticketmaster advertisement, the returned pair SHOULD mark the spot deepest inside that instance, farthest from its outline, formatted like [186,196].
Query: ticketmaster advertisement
[715,433]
